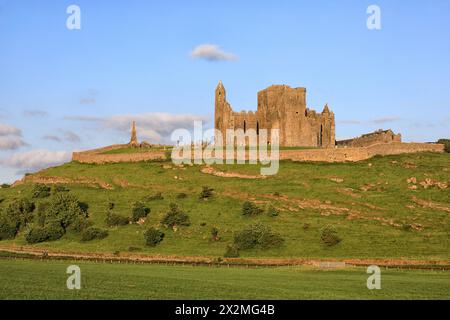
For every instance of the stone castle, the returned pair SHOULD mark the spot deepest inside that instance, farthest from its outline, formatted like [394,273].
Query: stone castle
[279,107]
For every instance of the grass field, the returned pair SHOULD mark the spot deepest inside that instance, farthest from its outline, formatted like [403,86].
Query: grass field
[31,279]
[369,207]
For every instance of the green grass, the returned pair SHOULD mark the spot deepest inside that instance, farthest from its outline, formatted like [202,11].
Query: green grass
[30,279]
[127,150]
[365,233]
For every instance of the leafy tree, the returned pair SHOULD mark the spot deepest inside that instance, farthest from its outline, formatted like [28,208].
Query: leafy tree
[116,220]
[153,237]
[139,211]
[175,217]
[257,236]
[41,191]
[329,236]
[64,209]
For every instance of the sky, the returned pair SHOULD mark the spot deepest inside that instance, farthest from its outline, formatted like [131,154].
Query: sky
[158,62]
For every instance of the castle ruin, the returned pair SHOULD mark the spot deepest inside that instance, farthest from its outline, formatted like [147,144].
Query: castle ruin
[279,107]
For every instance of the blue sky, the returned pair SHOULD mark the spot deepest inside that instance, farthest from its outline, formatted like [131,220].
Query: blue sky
[64,90]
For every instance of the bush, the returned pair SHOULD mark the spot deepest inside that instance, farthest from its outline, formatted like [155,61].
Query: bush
[257,236]
[153,237]
[271,211]
[215,234]
[206,193]
[64,209]
[80,223]
[250,209]
[60,188]
[92,233]
[175,217]
[41,191]
[156,196]
[47,233]
[329,236]
[139,211]
[8,228]
[116,220]
[231,251]
[446,143]
[5,185]
[181,195]
[111,206]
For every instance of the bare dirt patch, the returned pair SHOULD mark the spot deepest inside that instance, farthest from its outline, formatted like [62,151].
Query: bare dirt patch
[214,172]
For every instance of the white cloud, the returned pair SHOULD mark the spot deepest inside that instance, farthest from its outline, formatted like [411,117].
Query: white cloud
[36,159]
[154,127]
[212,52]
[6,130]
[11,143]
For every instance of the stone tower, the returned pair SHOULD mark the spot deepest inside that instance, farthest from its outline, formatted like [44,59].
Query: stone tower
[279,107]
[133,140]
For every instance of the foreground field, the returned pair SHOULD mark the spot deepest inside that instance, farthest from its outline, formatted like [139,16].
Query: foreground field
[30,279]
[374,209]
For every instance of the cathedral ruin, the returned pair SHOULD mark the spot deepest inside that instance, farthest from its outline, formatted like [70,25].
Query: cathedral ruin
[279,107]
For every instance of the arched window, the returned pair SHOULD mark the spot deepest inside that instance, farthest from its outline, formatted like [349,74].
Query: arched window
[257,128]
[245,126]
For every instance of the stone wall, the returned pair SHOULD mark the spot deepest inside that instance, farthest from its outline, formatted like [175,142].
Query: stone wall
[322,154]
[379,136]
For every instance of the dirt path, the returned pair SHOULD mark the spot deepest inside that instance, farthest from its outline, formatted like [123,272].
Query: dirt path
[245,262]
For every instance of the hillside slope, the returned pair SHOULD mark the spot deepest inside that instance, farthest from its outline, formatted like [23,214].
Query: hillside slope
[374,209]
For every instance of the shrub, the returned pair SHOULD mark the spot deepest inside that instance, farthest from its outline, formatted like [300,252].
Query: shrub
[206,193]
[156,196]
[8,228]
[215,234]
[181,195]
[271,211]
[59,188]
[64,209]
[329,236]
[80,223]
[5,185]
[231,251]
[153,237]
[446,143]
[168,155]
[257,236]
[41,191]
[92,233]
[116,220]
[139,211]
[175,217]
[110,206]
[47,233]
[250,209]
[36,235]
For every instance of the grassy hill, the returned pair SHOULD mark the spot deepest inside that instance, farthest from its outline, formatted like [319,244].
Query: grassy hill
[375,211]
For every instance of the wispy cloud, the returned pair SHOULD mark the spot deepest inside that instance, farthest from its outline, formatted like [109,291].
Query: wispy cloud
[36,159]
[35,113]
[156,127]
[51,137]
[66,135]
[385,120]
[350,122]
[11,143]
[7,130]
[10,137]
[90,97]
[212,52]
